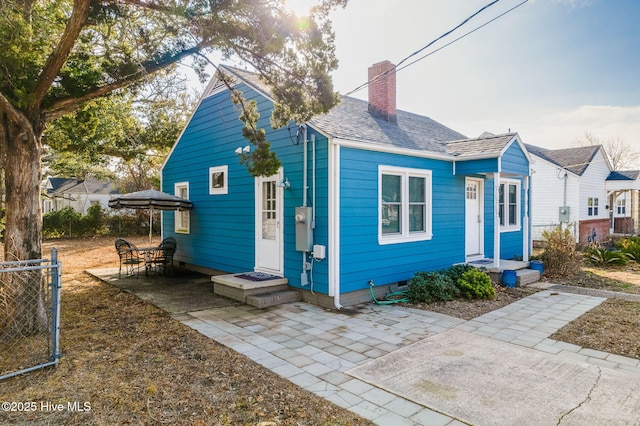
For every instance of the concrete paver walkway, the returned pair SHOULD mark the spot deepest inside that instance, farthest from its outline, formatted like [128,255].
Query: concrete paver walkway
[314,348]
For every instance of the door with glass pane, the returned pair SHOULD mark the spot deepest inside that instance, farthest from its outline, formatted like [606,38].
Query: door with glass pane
[269,225]
[473,214]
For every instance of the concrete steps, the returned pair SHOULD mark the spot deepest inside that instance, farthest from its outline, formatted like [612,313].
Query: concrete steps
[274,298]
[526,276]
[261,294]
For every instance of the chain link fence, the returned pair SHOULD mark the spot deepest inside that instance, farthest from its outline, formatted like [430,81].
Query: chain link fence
[29,315]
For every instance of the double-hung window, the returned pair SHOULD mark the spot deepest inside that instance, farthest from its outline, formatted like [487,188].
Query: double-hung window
[182,218]
[404,204]
[592,206]
[509,205]
[621,206]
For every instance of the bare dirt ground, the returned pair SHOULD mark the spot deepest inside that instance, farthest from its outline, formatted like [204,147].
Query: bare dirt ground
[134,364]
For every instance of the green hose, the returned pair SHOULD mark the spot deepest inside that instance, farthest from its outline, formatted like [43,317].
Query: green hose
[401,296]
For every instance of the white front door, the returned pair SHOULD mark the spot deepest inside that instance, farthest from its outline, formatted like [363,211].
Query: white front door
[269,256]
[473,221]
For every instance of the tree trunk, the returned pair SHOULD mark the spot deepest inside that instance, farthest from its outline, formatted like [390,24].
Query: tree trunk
[23,293]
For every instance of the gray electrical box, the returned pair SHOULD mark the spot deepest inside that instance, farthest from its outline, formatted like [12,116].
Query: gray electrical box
[563,214]
[304,232]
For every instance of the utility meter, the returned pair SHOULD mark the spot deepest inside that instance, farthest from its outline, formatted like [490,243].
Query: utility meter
[304,233]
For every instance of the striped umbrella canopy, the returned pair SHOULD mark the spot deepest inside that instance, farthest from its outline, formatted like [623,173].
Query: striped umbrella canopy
[150,199]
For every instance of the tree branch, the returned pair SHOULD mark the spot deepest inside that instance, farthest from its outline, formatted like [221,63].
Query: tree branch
[13,114]
[66,105]
[61,52]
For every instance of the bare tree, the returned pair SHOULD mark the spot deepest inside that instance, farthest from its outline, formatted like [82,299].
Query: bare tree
[622,155]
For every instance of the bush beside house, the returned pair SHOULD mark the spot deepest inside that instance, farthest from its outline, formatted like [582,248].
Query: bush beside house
[448,284]
[97,222]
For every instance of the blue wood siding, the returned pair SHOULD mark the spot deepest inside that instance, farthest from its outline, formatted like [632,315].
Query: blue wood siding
[486,165]
[222,226]
[362,257]
[510,242]
[318,277]
[222,234]
[515,161]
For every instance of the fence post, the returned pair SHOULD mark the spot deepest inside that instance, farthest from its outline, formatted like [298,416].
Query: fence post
[56,280]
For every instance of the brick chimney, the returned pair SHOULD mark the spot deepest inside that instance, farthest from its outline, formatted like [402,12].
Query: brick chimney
[382,91]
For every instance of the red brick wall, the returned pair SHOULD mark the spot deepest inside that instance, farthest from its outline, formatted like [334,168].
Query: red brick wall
[593,230]
[622,225]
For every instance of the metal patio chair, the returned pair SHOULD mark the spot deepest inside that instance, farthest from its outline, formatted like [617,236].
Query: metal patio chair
[129,258]
[162,259]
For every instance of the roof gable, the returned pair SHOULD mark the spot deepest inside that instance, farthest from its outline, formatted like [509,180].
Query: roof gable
[77,186]
[624,175]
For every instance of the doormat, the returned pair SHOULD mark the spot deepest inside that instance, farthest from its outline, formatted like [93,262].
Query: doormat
[481,262]
[257,276]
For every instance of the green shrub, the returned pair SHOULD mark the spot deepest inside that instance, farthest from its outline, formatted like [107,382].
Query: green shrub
[431,287]
[632,250]
[475,284]
[94,222]
[61,223]
[560,257]
[456,271]
[601,256]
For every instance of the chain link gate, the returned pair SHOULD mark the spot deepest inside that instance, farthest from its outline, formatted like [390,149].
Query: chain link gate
[29,315]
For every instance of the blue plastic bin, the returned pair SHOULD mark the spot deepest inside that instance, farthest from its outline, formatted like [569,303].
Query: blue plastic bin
[509,278]
[537,265]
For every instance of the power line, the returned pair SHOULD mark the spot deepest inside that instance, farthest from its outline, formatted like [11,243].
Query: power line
[448,32]
[463,36]
[396,69]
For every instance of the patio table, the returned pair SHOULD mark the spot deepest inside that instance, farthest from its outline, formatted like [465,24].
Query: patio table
[148,253]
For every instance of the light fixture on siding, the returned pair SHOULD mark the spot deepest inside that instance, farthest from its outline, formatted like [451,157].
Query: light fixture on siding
[284,183]
[239,150]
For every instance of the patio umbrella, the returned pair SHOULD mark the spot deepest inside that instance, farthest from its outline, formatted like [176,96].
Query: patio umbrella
[150,199]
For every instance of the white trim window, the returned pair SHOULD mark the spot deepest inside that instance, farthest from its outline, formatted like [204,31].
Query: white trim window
[404,205]
[182,218]
[218,180]
[621,206]
[592,206]
[509,205]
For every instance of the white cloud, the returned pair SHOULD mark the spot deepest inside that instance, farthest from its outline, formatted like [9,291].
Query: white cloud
[596,115]
[561,129]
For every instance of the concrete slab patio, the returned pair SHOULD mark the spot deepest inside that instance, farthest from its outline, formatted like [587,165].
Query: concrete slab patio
[483,381]
[184,292]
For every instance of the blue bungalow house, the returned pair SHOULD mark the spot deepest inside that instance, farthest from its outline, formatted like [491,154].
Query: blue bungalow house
[365,193]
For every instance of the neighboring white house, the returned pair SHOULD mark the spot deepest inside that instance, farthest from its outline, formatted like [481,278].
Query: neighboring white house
[568,189]
[59,193]
[624,189]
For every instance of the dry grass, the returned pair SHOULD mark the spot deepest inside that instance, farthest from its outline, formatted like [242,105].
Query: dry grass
[134,364]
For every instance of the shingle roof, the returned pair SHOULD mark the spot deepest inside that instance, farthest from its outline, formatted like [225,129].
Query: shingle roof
[624,175]
[350,120]
[487,144]
[575,160]
[77,186]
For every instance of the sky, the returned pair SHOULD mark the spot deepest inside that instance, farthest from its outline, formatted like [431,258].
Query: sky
[550,70]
